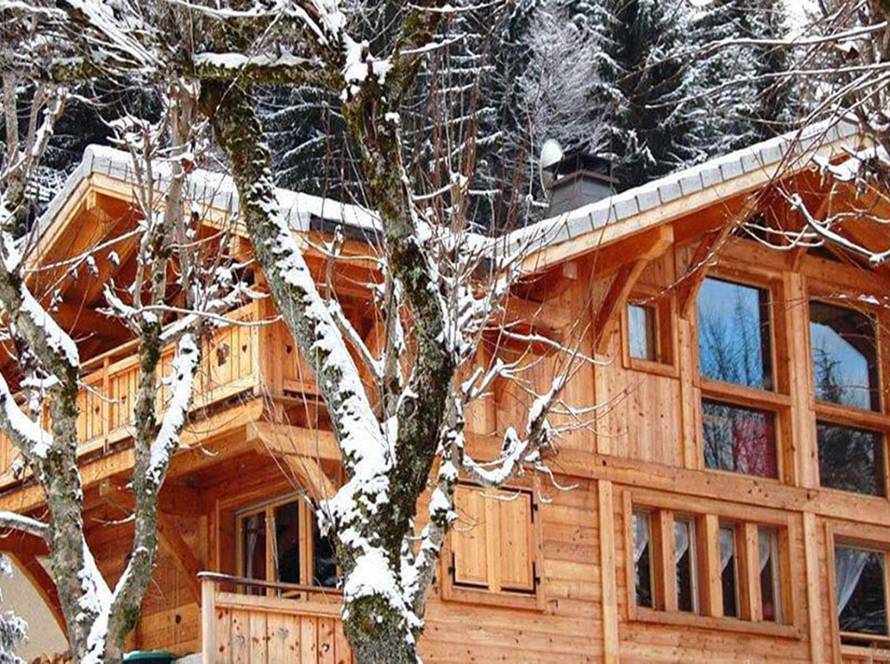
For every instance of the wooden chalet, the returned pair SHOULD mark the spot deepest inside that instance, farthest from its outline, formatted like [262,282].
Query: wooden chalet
[731,502]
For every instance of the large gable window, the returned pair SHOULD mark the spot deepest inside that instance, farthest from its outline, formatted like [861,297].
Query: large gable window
[844,356]
[734,334]
[280,542]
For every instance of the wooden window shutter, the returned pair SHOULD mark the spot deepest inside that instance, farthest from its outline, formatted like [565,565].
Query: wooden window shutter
[469,539]
[493,542]
[515,543]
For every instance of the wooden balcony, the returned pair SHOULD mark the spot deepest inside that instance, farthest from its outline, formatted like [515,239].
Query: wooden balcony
[239,360]
[260,622]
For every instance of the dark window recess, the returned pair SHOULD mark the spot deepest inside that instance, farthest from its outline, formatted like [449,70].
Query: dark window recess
[684,556]
[845,369]
[739,439]
[642,543]
[642,332]
[287,543]
[734,334]
[859,589]
[851,459]
[729,572]
[324,564]
[770,595]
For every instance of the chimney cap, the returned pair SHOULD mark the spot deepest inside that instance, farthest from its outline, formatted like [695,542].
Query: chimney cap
[578,164]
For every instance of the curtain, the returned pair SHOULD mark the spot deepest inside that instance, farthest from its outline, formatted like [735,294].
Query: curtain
[681,540]
[848,565]
[765,544]
[641,535]
[727,547]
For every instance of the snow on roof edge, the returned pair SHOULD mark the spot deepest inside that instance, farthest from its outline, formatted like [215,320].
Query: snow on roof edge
[218,191]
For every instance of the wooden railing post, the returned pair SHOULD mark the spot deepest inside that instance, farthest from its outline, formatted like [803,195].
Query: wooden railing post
[208,619]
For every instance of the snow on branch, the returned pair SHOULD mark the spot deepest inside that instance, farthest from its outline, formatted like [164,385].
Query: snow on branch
[23,524]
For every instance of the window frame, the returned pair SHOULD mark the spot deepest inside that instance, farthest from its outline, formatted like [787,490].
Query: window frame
[776,400]
[858,536]
[665,307]
[306,544]
[709,517]
[451,590]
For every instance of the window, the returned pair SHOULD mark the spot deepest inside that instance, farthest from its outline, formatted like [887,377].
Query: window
[281,542]
[739,439]
[734,334]
[493,546]
[642,540]
[770,591]
[844,355]
[687,568]
[642,332]
[851,459]
[684,558]
[729,578]
[860,591]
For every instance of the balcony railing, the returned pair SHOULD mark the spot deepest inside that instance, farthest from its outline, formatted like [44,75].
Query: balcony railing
[283,622]
[238,359]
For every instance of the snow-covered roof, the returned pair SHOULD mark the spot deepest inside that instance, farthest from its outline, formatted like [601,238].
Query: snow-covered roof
[770,158]
[306,212]
[213,190]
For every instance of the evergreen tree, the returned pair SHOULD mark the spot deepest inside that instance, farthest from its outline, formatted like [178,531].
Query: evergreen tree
[643,90]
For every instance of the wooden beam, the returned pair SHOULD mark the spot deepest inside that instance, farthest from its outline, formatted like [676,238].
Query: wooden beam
[606,510]
[704,255]
[637,255]
[306,468]
[173,543]
[619,290]
[42,582]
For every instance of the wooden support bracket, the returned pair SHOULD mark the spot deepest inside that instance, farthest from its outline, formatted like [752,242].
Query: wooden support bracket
[647,248]
[703,257]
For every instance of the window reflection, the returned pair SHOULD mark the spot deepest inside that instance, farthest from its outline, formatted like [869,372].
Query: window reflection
[770,595]
[851,459]
[642,332]
[844,359]
[733,334]
[739,439]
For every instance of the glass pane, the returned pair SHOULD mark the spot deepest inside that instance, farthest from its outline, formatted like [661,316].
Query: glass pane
[859,586]
[770,596]
[844,363]
[253,548]
[642,536]
[641,332]
[684,556]
[739,439]
[287,539]
[324,564]
[728,574]
[733,334]
[851,459]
